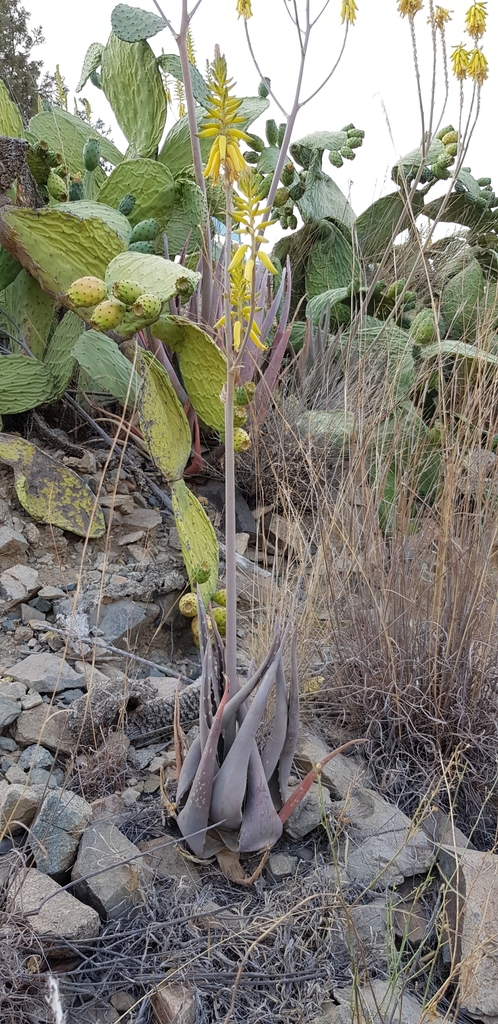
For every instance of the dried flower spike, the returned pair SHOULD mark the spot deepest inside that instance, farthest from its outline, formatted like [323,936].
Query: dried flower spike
[475,20]
[478,66]
[408,8]
[440,17]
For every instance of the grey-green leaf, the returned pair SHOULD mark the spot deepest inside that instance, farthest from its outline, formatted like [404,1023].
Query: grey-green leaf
[133,24]
[102,360]
[92,61]
[171,65]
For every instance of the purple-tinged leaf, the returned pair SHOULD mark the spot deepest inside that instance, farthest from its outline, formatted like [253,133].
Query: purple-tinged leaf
[189,768]
[305,785]
[195,815]
[261,825]
[251,356]
[276,739]
[266,387]
[289,747]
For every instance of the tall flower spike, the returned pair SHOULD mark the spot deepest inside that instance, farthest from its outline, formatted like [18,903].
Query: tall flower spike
[475,19]
[460,60]
[244,9]
[440,17]
[478,66]
[408,8]
[348,11]
[222,124]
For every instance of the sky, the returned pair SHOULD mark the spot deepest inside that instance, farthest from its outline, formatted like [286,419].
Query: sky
[374,86]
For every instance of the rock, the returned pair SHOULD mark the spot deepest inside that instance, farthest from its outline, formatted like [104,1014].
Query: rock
[44,724]
[367,927]
[281,865]
[119,622]
[310,812]
[18,805]
[62,915]
[376,1002]
[121,886]
[131,538]
[9,711]
[122,1001]
[51,593]
[56,831]
[13,689]
[392,850]
[471,901]
[339,775]
[144,519]
[13,547]
[17,584]
[31,700]
[108,808]
[30,614]
[46,673]
[173,1002]
[16,774]
[174,539]
[164,858]
[164,686]
[241,542]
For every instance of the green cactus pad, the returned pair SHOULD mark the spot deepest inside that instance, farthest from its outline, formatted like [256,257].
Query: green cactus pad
[145,230]
[386,352]
[49,492]
[171,65]
[410,163]
[56,247]
[10,119]
[461,299]
[163,422]
[197,538]
[92,61]
[323,199]
[189,212]
[202,365]
[133,24]
[143,247]
[423,328]
[376,225]
[303,150]
[24,384]
[330,263]
[67,134]
[9,268]
[133,86]
[102,360]
[87,208]
[31,309]
[155,274]
[150,182]
[59,359]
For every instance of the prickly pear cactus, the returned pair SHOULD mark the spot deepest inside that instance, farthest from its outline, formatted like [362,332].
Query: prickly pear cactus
[102,361]
[30,309]
[147,307]
[107,315]
[87,208]
[10,119]
[133,24]
[92,61]
[9,268]
[149,182]
[156,275]
[59,358]
[91,154]
[197,538]
[145,231]
[66,134]
[460,301]
[133,85]
[376,225]
[24,384]
[87,291]
[202,365]
[163,422]
[127,291]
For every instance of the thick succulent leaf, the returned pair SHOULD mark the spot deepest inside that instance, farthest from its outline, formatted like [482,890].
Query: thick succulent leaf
[330,262]
[133,85]
[56,247]
[149,181]
[10,119]
[92,61]
[293,722]
[197,537]
[32,311]
[461,298]
[375,226]
[276,739]
[133,24]
[461,208]
[176,151]
[163,422]
[194,817]
[302,151]
[9,268]
[203,368]
[59,359]
[49,492]
[24,383]
[157,276]
[67,134]
[261,827]
[86,208]
[171,65]
[189,212]
[102,360]
[188,770]
[410,163]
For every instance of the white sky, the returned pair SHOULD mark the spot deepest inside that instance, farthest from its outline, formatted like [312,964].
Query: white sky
[374,84]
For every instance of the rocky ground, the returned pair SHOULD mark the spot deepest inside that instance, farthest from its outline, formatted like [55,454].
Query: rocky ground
[357,908]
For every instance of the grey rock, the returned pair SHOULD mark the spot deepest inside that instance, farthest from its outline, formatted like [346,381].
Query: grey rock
[46,673]
[174,1002]
[471,899]
[9,711]
[35,756]
[119,622]
[13,689]
[30,614]
[339,775]
[18,805]
[41,777]
[166,861]
[57,829]
[282,865]
[46,724]
[17,584]
[310,812]
[126,881]
[16,774]
[377,1002]
[51,593]
[61,914]
[13,547]
[31,700]
[367,927]
[144,519]
[7,743]
[71,695]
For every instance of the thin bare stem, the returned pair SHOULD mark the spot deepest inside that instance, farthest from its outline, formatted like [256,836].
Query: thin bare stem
[230,529]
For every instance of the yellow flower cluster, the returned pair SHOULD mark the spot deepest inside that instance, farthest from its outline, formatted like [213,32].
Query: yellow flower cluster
[440,17]
[348,11]
[240,301]
[475,20]
[408,8]
[222,124]
[244,9]
[472,63]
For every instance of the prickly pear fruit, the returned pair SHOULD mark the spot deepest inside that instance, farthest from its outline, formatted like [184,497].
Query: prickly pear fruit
[145,231]
[281,196]
[127,291]
[355,133]
[250,157]
[241,440]
[56,187]
[107,315]
[188,605]
[297,191]
[76,191]
[354,141]
[239,416]
[220,597]
[292,221]
[288,174]
[256,142]
[194,625]
[220,617]
[347,153]
[142,247]
[147,307]
[264,87]
[483,182]
[126,205]
[245,394]
[201,572]
[95,79]
[91,154]
[423,328]
[281,133]
[452,149]
[445,131]
[348,128]
[271,132]
[87,291]
[445,160]
[449,138]
[335,158]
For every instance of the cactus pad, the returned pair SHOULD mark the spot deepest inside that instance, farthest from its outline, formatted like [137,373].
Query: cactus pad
[88,208]
[102,360]
[163,422]
[51,493]
[9,268]
[92,61]
[67,134]
[32,311]
[133,24]
[157,275]
[133,85]
[24,384]
[10,119]
[197,537]
[150,182]
[59,359]
[202,364]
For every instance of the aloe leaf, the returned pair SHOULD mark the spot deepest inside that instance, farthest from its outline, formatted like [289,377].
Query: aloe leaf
[133,85]
[163,422]
[102,360]
[194,817]
[276,738]
[92,61]
[59,359]
[188,771]
[261,827]
[293,722]
[305,785]
[10,119]
[150,182]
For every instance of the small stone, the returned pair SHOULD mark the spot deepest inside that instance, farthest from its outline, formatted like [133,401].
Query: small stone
[140,555]
[7,743]
[122,1001]
[12,688]
[15,774]
[378,1001]
[144,519]
[32,534]
[41,777]
[17,584]
[241,542]
[119,622]
[47,724]
[13,547]
[131,538]
[122,502]
[31,700]
[30,614]
[23,633]
[56,831]
[174,539]
[129,797]
[281,865]
[172,1001]
[113,892]
[165,859]
[51,593]
[61,914]
[9,711]
[35,756]
[18,805]
[310,813]
[46,673]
